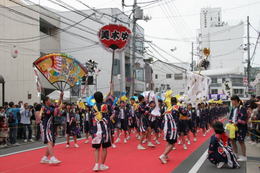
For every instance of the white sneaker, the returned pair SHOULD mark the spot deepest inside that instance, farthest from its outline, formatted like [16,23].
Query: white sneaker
[44,160]
[67,146]
[54,161]
[204,134]
[163,159]
[117,140]
[113,146]
[125,141]
[25,140]
[138,137]
[220,165]
[128,138]
[140,147]
[242,159]
[103,167]
[195,139]
[76,145]
[173,148]
[144,141]
[179,142]
[253,143]
[31,140]
[188,142]
[96,167]
[86,141]
[185,147]
[150,144]
[157,142]
[16,144]
[154,138]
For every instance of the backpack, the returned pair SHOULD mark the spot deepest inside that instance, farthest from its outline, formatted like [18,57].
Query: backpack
[11,117]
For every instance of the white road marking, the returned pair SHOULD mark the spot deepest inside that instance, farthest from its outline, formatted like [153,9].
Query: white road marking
[31,149]
[199,163]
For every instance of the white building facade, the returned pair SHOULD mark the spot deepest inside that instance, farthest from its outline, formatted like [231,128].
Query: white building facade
[36,33]
[226,51]
[169,76]
[21,34]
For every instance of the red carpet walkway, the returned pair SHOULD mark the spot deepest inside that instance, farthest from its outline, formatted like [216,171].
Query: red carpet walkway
[124,159]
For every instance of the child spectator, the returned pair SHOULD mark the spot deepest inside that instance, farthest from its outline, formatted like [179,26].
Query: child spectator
[220,151]
[3,131]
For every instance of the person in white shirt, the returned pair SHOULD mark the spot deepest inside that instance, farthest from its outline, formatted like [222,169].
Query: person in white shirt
[26,114]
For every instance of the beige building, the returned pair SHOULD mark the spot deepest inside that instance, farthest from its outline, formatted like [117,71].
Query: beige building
[24,35]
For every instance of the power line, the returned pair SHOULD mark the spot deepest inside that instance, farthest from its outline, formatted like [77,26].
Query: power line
[35,19]
[196,14]
[186,27]
[180,40]
[168,53]
[19,21]
[254,51]
[116,18]
[51,17]
[68,19]
[73,9]
[36,38]
[253,28]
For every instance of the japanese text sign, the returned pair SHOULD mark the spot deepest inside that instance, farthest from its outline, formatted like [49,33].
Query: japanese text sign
[114,36]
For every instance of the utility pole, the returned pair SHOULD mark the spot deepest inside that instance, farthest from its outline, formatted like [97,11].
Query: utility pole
[132,61]
[248,53]
[191,56]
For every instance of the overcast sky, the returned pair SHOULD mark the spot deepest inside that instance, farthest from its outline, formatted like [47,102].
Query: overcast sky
[182,20]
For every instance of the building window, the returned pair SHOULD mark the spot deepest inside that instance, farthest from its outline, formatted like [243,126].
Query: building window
[47,28]
[214,80]
[162,86]
[127,71]
[168,87]
[139,74]
[156,89]
[156,76]
[116,69]
[178,76]
[237,81]
[168,76]
[214,91]
[223,80]
[238,92]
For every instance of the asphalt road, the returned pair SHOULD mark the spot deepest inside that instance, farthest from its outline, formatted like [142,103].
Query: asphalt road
[206,167]
[184,167]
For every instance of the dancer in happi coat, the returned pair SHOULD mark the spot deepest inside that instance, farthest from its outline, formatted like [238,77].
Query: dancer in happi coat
[142,113]
[170,130]
[71,128]
[100,131]
[47,114]
[123,114]
[192,122]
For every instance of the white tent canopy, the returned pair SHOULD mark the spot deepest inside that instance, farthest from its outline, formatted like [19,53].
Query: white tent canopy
[55,95]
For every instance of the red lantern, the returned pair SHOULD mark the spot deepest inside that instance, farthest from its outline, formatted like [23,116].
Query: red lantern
[114,36]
